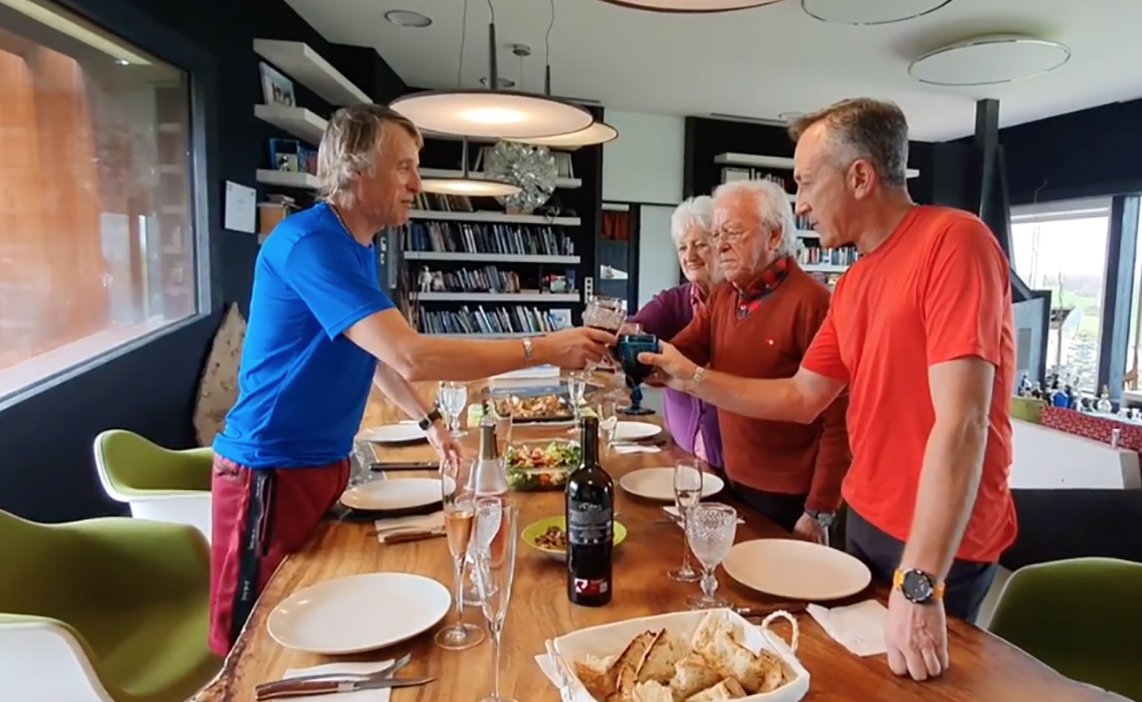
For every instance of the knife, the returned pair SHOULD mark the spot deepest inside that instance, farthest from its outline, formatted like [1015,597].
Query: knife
[401,537]
[404,465]
[287,688]
[384,673]
[766,610]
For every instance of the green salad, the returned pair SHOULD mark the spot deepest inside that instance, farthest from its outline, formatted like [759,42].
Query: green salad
[541,467]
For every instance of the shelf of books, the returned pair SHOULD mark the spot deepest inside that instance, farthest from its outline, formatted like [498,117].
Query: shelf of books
[492,322]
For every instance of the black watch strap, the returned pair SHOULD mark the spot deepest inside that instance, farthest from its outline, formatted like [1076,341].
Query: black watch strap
[429,419]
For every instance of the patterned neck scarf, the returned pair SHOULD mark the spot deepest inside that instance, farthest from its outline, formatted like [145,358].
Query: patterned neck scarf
[750,297]
[697,298]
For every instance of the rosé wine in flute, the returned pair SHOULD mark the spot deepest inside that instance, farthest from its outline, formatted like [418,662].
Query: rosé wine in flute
[459,503]
[458,528]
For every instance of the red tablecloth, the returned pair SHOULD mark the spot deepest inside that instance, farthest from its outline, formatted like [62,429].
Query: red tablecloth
[1093,427]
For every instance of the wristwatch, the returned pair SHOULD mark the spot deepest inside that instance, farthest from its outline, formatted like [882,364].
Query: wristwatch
[825,519]
[429,419]
[918,587]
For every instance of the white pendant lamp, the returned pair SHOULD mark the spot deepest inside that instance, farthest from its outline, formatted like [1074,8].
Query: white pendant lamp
[597,133]
[870,12]
[691,5]
[492,113]
[467,185]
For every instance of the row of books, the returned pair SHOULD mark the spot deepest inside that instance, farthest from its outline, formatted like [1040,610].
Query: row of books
[816,255]
[478,237]
[499,320]
[485,279]
[442,202]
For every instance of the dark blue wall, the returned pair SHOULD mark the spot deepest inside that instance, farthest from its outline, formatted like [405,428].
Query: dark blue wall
[46,470]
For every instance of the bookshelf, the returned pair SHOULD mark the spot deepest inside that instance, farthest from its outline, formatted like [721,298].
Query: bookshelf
[561,182]
[299,61]
[486,257]
[495,297]
[297,121]
[784,163]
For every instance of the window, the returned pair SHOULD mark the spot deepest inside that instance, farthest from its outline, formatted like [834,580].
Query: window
[1133,350]
[1061,247]
[96,243]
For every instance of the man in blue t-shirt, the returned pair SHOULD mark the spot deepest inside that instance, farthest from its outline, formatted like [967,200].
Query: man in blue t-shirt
[319,324]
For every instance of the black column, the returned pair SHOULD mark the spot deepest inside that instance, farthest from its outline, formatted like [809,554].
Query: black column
[1121,250]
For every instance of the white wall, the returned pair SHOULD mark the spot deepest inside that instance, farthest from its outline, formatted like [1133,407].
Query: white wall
[645,163]
[657,257]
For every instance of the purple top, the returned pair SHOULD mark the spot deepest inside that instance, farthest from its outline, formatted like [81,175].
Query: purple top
[664,316]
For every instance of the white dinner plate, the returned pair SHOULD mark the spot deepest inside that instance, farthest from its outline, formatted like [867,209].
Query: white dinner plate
[635,431]
[796,569]
[393,493]
[658,484]
[401,433]
[359,613]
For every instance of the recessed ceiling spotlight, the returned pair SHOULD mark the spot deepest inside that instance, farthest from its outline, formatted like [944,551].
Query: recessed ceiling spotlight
[790,116]
[868,12]
[408,18]
[693,6]
[504,82]
[989,60]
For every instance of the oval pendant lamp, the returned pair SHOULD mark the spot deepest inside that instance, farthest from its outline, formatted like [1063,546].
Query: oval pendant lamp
[694,6]
[466,184]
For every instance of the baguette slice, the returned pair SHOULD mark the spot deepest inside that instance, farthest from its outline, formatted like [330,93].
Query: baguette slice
[652,692]
[692,675]
[624,690]
[658,665]
[727,689]
[756,673]
[631,657]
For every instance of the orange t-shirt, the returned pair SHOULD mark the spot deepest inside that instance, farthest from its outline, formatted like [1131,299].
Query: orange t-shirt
[937,289]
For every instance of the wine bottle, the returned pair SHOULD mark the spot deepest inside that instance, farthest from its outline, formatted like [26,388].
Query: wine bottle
[590,524]
[488,475]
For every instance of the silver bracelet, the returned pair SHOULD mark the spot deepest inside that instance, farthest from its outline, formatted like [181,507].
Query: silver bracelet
[528,349]
[699,372]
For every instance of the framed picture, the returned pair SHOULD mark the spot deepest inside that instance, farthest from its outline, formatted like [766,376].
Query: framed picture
[276,88]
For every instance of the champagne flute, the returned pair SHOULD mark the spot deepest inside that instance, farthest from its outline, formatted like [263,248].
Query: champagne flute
[710,530]
[459,514]
[494,543]
[687,493]
[576,392]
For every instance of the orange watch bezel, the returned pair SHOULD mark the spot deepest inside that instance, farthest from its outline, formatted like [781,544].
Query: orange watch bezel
[898,584]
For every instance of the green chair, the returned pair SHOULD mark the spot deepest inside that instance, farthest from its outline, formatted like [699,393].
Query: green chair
[104,610]
[1080,616]
[158,483]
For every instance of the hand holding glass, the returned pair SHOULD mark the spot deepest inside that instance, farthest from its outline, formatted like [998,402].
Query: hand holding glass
[687,493]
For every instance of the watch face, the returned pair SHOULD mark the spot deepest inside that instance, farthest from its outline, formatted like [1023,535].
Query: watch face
[917,586]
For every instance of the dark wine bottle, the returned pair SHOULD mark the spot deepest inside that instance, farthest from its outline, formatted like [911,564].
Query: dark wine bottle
[590,524]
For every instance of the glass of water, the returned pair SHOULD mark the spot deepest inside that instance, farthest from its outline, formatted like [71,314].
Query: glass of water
[687,493]
[453,398]
[710,530]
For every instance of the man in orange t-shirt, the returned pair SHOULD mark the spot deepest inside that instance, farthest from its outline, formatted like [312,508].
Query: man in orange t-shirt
[920,332]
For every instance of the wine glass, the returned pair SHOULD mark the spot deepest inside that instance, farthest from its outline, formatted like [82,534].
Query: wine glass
[494,544]
[459,513]
[608,314]
[629,347]
[576,393]
[453,398]
[502,413]
[710,530]
[687,493]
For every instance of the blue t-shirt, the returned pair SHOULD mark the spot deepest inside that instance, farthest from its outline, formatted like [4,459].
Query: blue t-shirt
[302,385]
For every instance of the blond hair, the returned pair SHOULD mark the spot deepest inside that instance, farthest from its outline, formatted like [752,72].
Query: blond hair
[351,144]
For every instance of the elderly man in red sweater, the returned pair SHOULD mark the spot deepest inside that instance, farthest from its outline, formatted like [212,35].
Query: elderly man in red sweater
[759,325]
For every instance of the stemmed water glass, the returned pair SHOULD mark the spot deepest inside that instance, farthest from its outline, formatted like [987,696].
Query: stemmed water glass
[459,514]
[576,393]
[494,543]
[452,398]
[710,530]
[687,493]
[630,345]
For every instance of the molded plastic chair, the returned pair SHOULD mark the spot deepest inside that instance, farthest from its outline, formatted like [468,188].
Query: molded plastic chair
[158,483]
[104,610]
[1080,616]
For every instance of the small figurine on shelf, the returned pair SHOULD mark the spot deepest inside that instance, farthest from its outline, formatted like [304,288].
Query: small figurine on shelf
[1105,406]
[425,280]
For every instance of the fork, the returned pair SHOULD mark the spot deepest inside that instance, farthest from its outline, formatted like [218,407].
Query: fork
[385,672]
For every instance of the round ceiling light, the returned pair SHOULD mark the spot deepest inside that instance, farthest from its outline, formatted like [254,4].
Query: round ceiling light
[491,113]
[408,18]
[597,133]
[691,5]
[989,60]
[472,187]
[870,11]
[790,116]
[504,82]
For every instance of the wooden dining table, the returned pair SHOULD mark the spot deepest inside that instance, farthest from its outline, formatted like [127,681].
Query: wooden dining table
[983,667]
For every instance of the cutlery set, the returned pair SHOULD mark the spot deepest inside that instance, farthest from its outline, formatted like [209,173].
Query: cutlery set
[330,683]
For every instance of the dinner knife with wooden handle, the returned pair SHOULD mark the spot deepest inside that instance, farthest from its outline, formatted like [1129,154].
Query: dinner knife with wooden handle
[291,688]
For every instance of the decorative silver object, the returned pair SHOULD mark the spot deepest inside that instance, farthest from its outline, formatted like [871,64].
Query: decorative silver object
[531,168]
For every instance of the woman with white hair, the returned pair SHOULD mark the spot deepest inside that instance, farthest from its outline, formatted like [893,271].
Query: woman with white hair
[693,423]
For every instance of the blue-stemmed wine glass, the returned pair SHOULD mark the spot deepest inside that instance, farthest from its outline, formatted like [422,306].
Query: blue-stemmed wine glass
[629,347]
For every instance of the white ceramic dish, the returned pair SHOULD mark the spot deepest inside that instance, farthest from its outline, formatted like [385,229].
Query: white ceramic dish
[400,433]
[609,640]
[359,613]
[635,431]
[393,493]
[658,484]
[796,569]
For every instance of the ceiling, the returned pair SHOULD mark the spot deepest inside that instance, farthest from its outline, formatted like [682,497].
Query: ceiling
[752,63]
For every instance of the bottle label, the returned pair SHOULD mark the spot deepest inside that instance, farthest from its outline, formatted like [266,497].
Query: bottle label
[589,524]
[589,587]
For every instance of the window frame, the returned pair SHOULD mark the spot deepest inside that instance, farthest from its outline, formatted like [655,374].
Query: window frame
[139,29]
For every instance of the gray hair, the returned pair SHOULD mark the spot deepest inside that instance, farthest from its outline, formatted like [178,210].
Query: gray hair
[351,144]
[875,130]
[773,208]
[692,212]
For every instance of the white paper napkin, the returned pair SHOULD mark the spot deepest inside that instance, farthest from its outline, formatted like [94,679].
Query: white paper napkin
[396,525]
[361,696]
[548,668]
[624,449]
[858,627]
